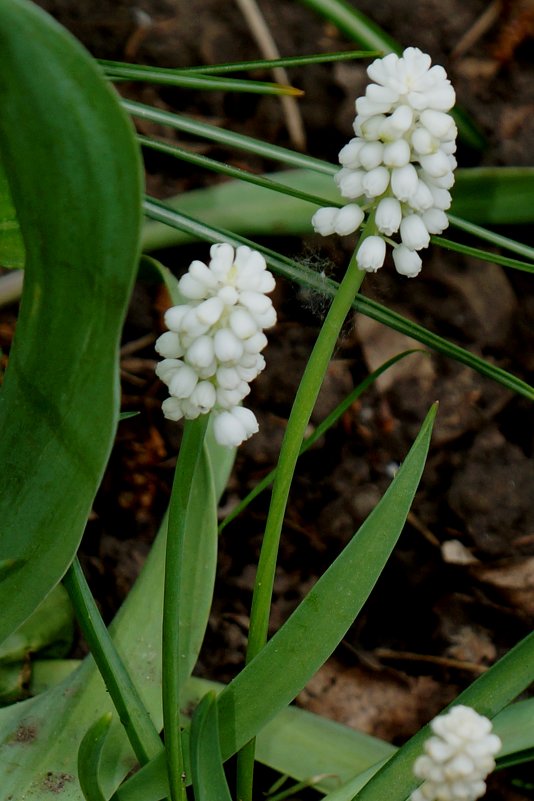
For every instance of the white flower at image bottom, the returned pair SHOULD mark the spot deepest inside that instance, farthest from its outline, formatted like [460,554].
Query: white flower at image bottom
[212,350]
[400,165]
[457,758]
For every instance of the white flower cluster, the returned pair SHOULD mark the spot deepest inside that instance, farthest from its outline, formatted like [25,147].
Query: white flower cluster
[458,758]
[213,347]
[400,164]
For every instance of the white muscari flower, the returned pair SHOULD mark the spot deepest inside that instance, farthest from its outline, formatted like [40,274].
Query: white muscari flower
[213,347]
[371,254]
[400,165]
[457,758]
[388,215]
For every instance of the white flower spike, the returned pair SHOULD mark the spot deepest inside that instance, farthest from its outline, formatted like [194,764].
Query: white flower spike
[213,348]
[457,758]
[400,166]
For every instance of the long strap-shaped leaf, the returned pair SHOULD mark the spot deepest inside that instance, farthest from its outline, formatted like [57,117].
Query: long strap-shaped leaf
[275,676]
[74,173]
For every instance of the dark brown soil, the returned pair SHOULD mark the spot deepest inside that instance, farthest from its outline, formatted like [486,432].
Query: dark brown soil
[459,590]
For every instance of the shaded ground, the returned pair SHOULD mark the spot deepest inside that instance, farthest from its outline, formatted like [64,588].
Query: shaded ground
[459,590]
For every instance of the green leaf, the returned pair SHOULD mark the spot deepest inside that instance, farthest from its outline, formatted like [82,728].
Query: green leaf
[164,76]
[89,759]
[47,631]
[515,727]
[290,61]
[484,255]
[11,244]
[41,735]
[216,134]
[135,718]
[302,744]
[209,780]
[310,635]
[494,195]
[74,171]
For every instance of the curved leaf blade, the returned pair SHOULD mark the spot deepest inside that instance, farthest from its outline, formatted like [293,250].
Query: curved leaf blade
[89,754]
[75,180]
[209,780]
[282,668]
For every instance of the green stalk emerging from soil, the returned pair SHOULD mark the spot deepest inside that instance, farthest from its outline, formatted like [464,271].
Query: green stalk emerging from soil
[303,405]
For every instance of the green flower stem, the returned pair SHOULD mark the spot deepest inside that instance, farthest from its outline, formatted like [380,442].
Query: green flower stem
[321,429]
[186,466]
[298,420]
[136,720]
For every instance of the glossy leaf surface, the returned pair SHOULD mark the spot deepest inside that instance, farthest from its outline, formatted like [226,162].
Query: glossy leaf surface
[74,172]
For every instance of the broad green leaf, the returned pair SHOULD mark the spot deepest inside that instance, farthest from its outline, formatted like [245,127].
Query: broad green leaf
[209,780]
[11,244]
[42,735]
[302,744]
[494,195]
[301,274]
[48,631]
[89,754]
[515,727]
[311,634]
[74,172]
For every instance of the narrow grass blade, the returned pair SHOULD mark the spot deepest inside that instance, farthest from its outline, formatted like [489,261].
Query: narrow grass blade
[306,640]
[246,143]
[483,255]
[354,24]
[204,162]
[291,61]
[134,716]
[164,76]
[490,236]
[74,173]
[209,780]
[89,759]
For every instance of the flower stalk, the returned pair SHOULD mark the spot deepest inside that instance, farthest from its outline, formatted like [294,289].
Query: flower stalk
[298,420]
